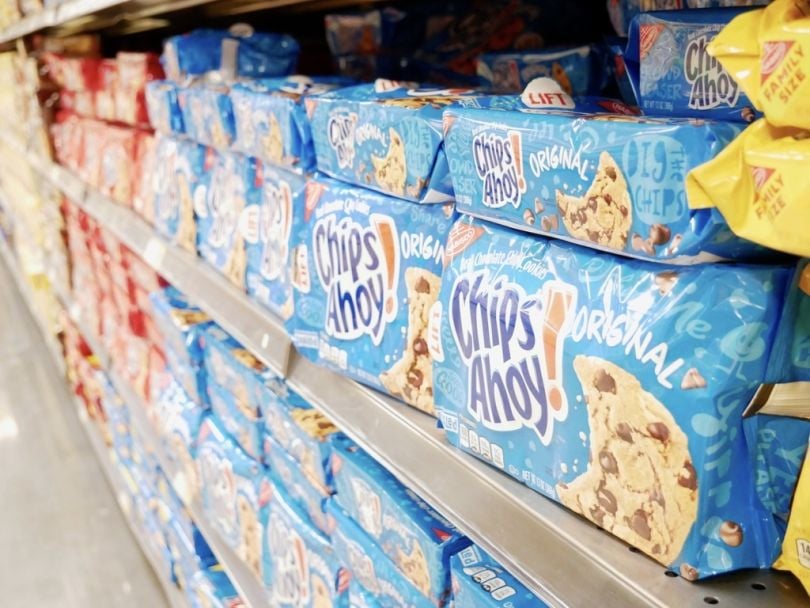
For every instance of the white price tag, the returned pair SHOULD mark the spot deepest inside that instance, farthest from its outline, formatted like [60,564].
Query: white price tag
[75,312]
[154,253]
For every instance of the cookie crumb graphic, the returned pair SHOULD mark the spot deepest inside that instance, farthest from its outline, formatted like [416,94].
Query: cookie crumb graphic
[528,217]
[692,379]
[676,242]
[549,223]
[731,533]
[538,206]
[659,234]
[666,281]
[688,476]
[637,243]
[448,210]
[689,572]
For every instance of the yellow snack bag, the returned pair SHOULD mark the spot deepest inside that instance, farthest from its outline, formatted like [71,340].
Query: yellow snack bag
[767,52]
[761,184]
[796,547]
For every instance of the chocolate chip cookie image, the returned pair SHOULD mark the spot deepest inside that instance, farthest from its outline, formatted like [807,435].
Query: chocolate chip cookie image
[411,378]
[604,214]
[390,170]
[640,484]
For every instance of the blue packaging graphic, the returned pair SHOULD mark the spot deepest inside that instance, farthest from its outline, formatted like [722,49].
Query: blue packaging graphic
[267,229]
[233,491]
[309,498]
[790,359]
[385,136]
[245,53]
[416,538]
[622,12]
[240,420]
[610,182]
[778,445]
[181,165]
[300,568]
[370,567]
[481,582]
[580,71]
[220,201]
[367,268]
[672,72]
[212,588]
[271,120]
[163,107]
[592,354]
[207,114]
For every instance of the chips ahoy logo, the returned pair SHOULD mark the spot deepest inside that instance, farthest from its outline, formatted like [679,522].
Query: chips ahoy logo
[358,268]
[340,134]
[499,164]
[712,86]
[512,342]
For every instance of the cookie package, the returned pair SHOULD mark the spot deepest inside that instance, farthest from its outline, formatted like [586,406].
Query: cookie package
[795,555]
[414,536]
[673,73]
[300,567]
[233,491]
[385,136]
[580,71]
[241,52]
[207,114]
[608,181]
[267,227]
[163,107]
[759,185]
[372,569]
[366,270]
[271,120]
[232,367]
[767,51]
[239,419]
[212,587]
[481,582]
[613,386]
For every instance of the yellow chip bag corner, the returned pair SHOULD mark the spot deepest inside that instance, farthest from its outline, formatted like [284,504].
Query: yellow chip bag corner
[795,556]
[767,51]
[760,183]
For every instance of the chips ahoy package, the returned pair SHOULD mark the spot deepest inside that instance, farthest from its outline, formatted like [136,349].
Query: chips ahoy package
[300,568]
[613,386]
[672,71]
[267,229]
[580,71]
[386,136]
[239,419]
[240,52]
[163,107]
[414,536]
[370,567]
[366,270]
[608,181]
[481,582]
[271,121]
[233,491]
[207,114]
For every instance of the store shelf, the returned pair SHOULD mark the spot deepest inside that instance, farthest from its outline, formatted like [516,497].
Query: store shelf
[565,559]
[243,579]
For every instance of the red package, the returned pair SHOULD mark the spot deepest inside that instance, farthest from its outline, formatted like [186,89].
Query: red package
[79,74]
[105,95]
[117,164]
[143,194]
[136,69]
[130,106]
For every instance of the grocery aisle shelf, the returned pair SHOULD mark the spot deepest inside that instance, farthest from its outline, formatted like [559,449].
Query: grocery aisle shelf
[245,582]
[173,595]
[563,558]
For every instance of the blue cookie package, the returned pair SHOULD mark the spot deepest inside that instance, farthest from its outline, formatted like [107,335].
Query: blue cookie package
[610,182]
[211,588]
[370,567]
[663,358]
[207,114]
[163,107]
[231,366]
[240,420]
[308,497]
[481,582]
[580,71]
[672,72]
[367,268]
[386,136]
[267,229]
[233,491]
[778,445]
[180,165]
[414,536]
[248,54]
[299,568]
[271,120]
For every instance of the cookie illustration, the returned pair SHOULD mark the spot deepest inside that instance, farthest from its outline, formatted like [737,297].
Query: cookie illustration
[186,236]
[313,422]
[390,169]
[411,378]
[414,566]
[604,214]
[321,598]
[250,544]
[236,265]
[641,484]
[272,142]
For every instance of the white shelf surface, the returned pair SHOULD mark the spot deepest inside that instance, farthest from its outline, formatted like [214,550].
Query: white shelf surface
[562,557]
